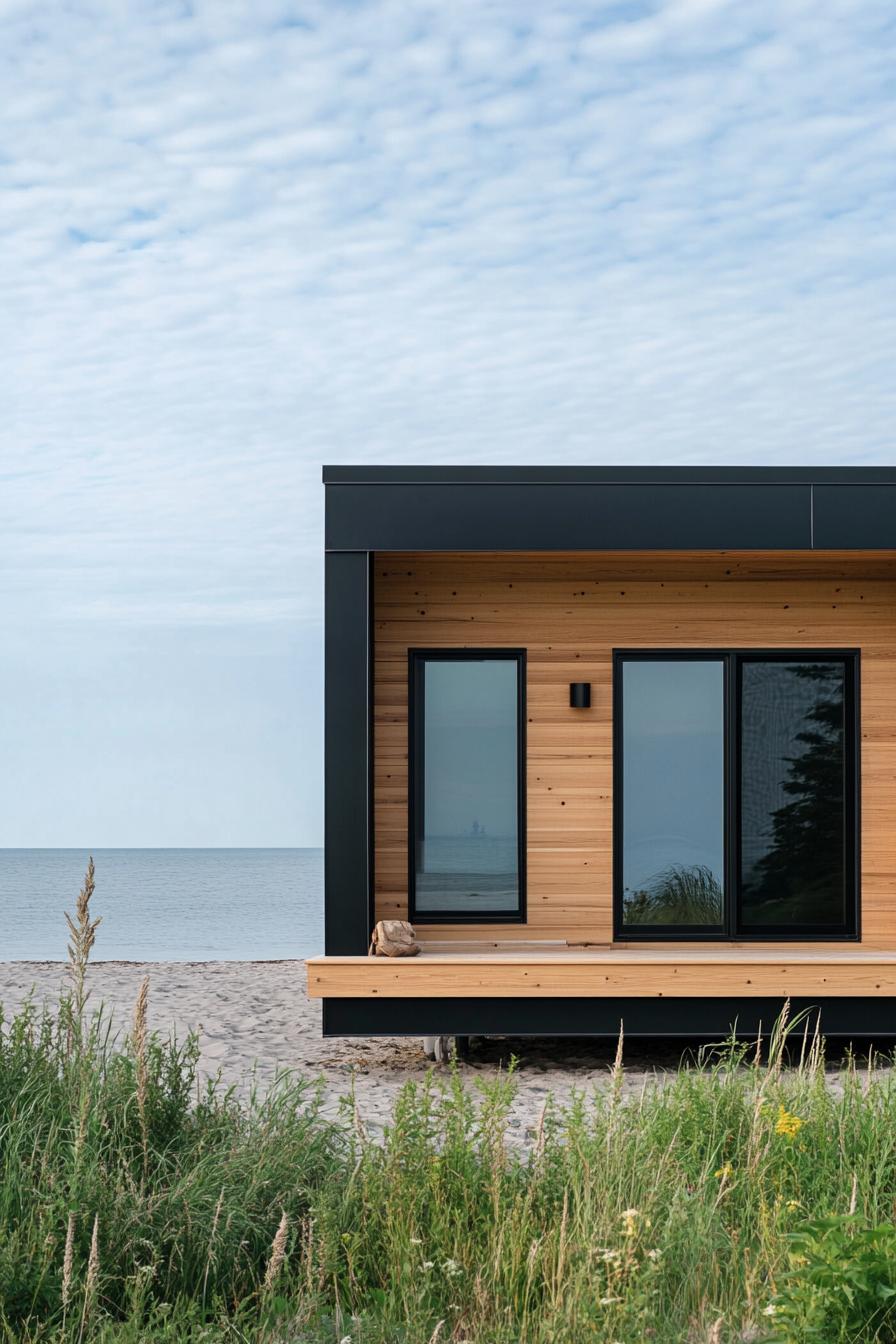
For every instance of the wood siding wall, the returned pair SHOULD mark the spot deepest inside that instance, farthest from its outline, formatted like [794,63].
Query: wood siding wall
[570,611]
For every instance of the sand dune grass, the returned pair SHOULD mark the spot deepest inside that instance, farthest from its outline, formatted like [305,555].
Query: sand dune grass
[740,1200]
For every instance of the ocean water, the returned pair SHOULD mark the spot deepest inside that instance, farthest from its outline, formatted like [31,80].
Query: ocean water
[467,872]
[166,904]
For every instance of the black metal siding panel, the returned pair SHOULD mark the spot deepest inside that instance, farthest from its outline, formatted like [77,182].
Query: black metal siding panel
[855,517]
[570,517]
[706,1017]
[347,849]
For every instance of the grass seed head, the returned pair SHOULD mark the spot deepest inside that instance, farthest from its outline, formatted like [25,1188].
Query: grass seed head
[68,1259]
[82,936]
[93,1272]
[278,1253]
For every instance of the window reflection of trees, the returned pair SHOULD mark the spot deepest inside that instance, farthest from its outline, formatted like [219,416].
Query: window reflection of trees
[799,877]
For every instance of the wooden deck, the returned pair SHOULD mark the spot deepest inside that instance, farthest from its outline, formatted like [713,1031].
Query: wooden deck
[560,971]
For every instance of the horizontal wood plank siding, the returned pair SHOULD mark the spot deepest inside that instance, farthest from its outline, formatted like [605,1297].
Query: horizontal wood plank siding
[569,612]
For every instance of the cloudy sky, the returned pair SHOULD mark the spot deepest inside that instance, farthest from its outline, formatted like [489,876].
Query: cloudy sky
[240,240]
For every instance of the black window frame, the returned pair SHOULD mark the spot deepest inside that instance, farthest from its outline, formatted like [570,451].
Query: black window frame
[732,929]
[417,657]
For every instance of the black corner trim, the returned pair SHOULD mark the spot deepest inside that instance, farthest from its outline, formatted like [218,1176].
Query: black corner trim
[348,837]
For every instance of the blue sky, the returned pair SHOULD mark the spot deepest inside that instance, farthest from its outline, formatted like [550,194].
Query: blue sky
[239,240]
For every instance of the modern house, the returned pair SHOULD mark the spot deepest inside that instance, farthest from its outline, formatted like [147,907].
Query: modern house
[620,743]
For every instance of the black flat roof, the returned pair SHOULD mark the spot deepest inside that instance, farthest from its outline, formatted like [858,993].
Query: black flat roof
[570,475]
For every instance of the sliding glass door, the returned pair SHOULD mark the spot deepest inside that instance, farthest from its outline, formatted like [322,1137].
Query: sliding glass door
[735,797]
[796,794]
[672,833]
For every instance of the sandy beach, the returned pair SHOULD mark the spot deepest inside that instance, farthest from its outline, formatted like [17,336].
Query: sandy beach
[254,1018]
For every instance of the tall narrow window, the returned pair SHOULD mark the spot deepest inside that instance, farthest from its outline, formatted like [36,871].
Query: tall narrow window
[467,764]
[735,794]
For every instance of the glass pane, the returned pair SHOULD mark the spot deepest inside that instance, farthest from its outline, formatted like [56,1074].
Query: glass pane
[793,853]
[467,840]
[673,809]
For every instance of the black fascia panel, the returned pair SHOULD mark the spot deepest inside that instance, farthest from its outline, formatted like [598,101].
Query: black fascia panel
[710,1018]
[584,475]
[514,516]
[855,517]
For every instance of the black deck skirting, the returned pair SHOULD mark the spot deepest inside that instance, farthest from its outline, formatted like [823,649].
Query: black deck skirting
[859,1017]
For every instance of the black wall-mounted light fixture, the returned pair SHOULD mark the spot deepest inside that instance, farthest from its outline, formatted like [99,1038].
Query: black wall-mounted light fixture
[580,694]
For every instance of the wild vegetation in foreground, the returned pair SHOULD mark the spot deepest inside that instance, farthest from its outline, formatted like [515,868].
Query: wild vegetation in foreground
[744,1199]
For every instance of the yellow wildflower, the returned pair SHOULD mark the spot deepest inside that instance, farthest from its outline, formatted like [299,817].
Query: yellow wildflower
[630,1222]
[787,1125]
[725,1172]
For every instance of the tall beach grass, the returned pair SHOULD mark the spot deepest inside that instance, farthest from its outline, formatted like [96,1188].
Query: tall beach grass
[743,1199]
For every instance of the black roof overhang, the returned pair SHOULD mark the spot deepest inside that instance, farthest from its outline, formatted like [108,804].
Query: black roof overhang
[609,508]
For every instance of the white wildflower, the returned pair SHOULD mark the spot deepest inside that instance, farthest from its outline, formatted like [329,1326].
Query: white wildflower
[451,1268]
[429,1264]
[770,1310]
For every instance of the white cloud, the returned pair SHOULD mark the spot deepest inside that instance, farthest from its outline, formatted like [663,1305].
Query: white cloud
[240,240]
